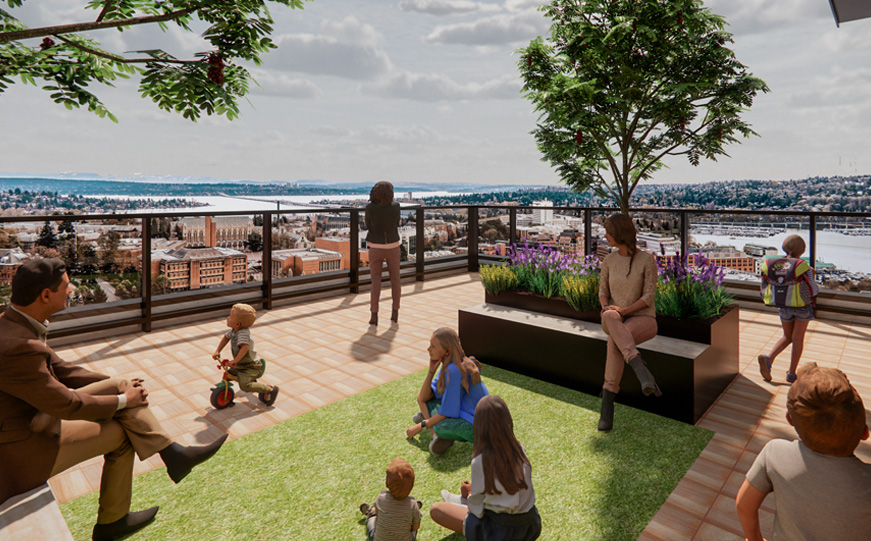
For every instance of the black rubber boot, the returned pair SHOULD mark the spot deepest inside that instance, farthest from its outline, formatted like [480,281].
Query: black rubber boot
[648,384]
[606,418]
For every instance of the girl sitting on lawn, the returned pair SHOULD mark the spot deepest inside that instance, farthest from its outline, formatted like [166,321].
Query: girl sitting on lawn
[447,403]
[499,503]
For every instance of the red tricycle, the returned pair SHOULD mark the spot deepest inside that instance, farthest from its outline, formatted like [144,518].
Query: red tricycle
[222,392]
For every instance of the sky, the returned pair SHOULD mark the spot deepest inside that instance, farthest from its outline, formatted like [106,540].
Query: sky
[429,91]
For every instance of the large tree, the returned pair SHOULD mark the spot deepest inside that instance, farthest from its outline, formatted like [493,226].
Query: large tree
[66,59]
[619,85]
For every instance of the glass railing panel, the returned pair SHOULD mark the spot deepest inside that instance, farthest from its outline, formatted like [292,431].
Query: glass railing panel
[741,242]
[843,253]
[306,243]
[204,252]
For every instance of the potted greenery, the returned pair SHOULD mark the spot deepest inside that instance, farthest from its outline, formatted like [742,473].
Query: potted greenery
[690,299]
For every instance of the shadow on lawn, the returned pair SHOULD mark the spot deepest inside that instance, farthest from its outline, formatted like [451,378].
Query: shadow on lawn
[550,390]
[457,457]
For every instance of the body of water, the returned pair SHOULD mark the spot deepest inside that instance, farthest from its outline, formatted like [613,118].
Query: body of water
[846,252]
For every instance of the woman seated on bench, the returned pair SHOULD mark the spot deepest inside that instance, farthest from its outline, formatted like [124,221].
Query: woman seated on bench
[627,288]
[447,403]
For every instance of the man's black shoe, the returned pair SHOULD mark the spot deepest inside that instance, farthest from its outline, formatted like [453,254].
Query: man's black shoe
[180,460]
[128,524]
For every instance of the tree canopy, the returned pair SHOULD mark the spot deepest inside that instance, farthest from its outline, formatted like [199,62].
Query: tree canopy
[66,60]
[620,85]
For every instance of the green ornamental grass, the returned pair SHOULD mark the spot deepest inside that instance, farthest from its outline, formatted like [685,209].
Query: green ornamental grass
[304,479]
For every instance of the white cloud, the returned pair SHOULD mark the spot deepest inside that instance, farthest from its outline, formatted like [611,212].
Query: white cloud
[499,29]
[522,5]
[446,7]
[764,16]
[333,131]
[326,55]
[282,85]
[411,134]
[350,31]
[433,87]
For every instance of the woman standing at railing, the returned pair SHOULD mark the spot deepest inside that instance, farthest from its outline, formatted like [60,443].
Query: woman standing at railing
[627,288]
[382,222]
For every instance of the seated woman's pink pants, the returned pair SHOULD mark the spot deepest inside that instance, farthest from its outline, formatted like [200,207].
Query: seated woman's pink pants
[624,334]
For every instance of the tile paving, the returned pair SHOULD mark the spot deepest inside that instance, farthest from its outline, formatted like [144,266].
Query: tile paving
[324,350]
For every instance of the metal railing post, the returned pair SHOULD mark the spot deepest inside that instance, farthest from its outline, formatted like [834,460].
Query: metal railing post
[145,287]
[354,274]
[812,240]
[684,234]
[473,239]
[266,261]
[512,225]
[419,248]
[588,232]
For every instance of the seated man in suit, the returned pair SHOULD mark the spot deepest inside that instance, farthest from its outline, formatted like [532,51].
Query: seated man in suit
[54,414]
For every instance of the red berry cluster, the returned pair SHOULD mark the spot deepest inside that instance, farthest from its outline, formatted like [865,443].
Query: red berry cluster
[216,69]
[47,43]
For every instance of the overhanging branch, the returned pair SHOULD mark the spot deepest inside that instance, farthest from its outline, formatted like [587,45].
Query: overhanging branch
[96,25]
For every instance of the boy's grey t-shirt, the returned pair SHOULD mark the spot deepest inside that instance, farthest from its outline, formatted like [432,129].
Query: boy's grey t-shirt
[240,338]
[817,496]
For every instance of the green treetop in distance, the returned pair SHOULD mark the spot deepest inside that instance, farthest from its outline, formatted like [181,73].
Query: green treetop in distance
[66,60]
[621,84]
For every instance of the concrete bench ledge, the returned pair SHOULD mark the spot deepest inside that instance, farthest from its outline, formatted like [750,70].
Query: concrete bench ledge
[572,353]
[33,516]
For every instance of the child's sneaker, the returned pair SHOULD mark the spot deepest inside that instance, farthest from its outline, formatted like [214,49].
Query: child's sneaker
[269,398]
[764,367]
[790,378]
[365,508]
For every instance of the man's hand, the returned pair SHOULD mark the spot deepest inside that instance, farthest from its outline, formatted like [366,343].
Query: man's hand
[136,396]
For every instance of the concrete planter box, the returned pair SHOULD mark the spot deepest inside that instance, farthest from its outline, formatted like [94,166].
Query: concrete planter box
[692,360]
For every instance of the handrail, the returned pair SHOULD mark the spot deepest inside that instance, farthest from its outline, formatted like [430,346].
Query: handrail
[352,278]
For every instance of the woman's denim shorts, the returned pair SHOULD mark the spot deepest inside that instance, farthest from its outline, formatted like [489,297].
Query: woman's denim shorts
[805,313]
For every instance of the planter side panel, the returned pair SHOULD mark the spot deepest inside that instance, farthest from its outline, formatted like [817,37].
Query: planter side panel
[576,362]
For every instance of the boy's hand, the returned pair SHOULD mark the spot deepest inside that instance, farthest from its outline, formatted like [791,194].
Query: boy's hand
[231,363]
[465,489]
[216,355]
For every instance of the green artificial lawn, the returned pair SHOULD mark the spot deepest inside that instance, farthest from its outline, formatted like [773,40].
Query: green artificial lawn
[305,478]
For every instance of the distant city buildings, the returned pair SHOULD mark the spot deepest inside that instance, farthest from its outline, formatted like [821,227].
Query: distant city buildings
[196,268]
[218,231]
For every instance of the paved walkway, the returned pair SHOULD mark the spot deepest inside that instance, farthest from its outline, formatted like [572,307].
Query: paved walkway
[323,351]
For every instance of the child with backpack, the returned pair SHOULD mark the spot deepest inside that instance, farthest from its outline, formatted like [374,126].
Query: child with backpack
[788,283]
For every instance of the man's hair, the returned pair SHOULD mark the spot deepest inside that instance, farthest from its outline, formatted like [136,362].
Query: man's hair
[381,193]
[826,410]
[245,314]
[794,244]
[34,277]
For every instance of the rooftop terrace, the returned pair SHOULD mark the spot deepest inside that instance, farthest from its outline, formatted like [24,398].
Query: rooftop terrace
[324,350]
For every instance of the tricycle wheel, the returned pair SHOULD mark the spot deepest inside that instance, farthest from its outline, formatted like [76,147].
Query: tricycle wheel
[222,398]
[262,368]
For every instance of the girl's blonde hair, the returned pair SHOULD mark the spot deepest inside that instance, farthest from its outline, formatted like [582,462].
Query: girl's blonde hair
[245,313]
[450,340]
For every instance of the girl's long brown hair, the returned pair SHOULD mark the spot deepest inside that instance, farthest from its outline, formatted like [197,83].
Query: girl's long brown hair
[450,340]
[493,430]
[621,227]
